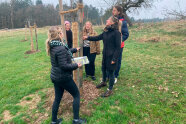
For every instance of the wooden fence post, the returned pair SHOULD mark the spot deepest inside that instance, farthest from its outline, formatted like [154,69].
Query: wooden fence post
[26,33]
[75,45]
[35,27]
[81,42]
[32,43]
[62,19]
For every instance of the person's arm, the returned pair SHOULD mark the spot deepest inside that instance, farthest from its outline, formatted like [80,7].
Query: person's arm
[124,31]
[62,61]
[95,38]
[73,50]
[118,46]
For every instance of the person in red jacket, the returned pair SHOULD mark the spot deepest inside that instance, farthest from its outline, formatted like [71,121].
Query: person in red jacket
[117,12]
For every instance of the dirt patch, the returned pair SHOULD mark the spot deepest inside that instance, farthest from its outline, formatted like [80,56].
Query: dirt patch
[89,93]
[31,101]
[7,115]
[31,52]
[177,44]
[23,40]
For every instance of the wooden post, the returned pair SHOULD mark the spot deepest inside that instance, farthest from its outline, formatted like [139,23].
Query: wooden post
[35,27]
[75,45]
[62,19]
[32,43]
[81,43]
[26,33]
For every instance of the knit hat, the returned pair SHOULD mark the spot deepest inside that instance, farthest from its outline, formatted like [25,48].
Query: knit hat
[67,22]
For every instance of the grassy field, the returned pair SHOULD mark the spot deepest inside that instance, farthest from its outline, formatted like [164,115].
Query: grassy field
[150,88]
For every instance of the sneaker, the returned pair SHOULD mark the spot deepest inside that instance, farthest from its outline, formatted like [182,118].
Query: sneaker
[93,78]
[107,93]
[79,121]
[115,80]
[102,84]
[59,121]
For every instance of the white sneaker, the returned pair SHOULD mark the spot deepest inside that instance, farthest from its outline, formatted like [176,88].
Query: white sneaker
[115,80]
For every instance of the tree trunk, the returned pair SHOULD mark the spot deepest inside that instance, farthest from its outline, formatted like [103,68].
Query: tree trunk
[128,19]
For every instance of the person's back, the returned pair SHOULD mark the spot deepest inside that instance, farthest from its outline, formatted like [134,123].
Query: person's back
[61,76]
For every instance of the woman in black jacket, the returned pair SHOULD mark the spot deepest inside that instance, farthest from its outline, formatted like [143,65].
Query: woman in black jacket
[111,48]
[61,73]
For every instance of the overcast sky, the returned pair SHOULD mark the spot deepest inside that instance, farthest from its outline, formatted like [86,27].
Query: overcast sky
[155,12]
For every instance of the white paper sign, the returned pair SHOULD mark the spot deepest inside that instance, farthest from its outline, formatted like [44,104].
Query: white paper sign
[83,60]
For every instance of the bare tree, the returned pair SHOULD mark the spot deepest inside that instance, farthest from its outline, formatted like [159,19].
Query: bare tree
[131,5]
[177,13]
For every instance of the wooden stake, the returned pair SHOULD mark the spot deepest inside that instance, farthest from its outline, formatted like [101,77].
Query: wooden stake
[62,18]
[32,43]
[35,27]
[26,33]
[81,43]
[75,45]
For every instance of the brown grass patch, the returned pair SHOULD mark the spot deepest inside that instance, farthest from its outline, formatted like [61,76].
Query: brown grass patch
[151,39]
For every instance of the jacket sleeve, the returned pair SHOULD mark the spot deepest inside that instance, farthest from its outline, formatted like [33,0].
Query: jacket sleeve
[62,61]
[73,50]
[118,46]
[97,45]
[124,31]
[95,38]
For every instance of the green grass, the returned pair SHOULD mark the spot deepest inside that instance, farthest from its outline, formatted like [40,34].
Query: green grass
[150,88]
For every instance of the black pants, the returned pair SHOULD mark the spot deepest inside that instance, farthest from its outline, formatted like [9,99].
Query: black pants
[89,68]
[71,87]
[108,73]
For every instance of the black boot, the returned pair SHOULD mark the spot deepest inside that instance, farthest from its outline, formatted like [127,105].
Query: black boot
[79,121]
[93,78]
[59,121]
[102,84]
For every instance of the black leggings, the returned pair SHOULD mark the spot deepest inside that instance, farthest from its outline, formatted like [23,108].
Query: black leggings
[71,87]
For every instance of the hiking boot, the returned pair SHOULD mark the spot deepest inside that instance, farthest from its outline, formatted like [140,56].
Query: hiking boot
[107,93]
[93,78]
[59,121]
[79,121]
[102,84]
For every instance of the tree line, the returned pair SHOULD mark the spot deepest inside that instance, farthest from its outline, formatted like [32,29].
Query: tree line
[17,13]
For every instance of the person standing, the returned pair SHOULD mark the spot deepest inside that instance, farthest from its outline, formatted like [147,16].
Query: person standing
[117,11]
[69,34]
[111,48]
[90,49]
[61,73]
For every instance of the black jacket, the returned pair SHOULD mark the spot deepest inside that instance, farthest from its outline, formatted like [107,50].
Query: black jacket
[69,38]
[111,47]
[61,62]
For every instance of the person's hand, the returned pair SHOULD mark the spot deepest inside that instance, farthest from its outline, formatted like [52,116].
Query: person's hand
[79,65]
[78,48]
[112,62]
[85,37]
